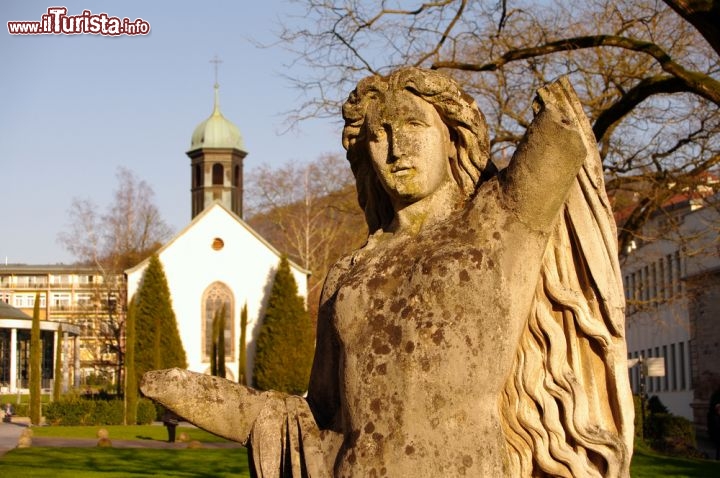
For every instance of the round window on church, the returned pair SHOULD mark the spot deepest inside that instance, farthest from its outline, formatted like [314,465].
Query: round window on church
[218,244]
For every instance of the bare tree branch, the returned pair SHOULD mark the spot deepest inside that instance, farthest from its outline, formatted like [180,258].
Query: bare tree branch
[444,36]
[701,84]
[704,15]
[632,98]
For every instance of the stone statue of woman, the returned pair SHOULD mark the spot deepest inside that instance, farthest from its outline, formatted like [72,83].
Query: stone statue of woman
[479,331]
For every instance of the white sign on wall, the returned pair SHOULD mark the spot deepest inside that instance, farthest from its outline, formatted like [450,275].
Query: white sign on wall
[655,366]
[652,366]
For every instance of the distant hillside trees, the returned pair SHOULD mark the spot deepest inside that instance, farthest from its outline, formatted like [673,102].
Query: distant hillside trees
[157,339]
[309,212]
[286,342]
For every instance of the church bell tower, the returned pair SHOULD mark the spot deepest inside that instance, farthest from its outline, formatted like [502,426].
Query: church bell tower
[216,161]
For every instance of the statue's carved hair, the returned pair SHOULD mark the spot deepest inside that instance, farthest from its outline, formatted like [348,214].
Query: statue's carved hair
[458,111]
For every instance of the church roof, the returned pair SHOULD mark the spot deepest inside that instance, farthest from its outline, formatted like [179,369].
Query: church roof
[218,205]
[217,131]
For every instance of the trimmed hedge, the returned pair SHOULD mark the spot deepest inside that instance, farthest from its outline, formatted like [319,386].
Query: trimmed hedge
[145,412]
[73,410]
[70,410]
[665,432]
[21,409]
[672,435]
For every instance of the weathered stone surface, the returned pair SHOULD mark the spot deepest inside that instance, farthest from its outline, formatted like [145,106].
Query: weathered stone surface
[479,332]
[25,440]
[104,443]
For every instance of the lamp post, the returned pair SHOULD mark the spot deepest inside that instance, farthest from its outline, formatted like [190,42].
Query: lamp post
[641,364]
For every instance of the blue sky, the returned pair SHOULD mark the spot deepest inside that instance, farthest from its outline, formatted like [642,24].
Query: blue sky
[74,108]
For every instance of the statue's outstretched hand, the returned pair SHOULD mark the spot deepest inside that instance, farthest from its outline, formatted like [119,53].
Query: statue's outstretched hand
[219,406]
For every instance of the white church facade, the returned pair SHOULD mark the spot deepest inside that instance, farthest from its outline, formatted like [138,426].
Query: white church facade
[217,260]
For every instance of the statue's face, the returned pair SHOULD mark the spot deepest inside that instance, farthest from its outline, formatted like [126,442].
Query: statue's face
[409,147]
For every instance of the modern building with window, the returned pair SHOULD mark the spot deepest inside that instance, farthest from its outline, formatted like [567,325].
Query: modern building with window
[671,284]
[76,295]
[15,329]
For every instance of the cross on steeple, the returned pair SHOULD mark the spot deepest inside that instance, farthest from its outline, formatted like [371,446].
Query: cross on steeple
[216,60]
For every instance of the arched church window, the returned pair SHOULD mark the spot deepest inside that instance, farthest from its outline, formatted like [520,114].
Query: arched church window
[236,176]
[217,299]
[217,173]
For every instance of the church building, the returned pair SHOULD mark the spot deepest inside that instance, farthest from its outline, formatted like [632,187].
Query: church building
[218,260]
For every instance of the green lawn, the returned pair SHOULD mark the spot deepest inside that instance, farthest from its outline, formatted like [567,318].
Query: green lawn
[648,464]
[123,462]
[118,462]
[24,398]
[120,432]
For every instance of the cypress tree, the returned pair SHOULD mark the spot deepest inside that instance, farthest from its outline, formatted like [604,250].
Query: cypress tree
[131,385]
[57,375]
[221,343]
[242,354]
[214,346]
[286,340]
[217,351]
[157,339]
[35,362]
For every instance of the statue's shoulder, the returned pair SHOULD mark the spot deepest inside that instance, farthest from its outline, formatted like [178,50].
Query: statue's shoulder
[335,275]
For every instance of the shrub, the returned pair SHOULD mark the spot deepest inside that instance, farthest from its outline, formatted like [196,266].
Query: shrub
[107,413]
[70,410]
[672,435]
[146,412]
[665,432]
[22,409]
[74,410]
[638,418]
[654,405]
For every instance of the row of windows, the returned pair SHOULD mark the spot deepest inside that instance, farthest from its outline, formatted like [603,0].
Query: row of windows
[655,282]
[35,281]
[57,299]
[676,376]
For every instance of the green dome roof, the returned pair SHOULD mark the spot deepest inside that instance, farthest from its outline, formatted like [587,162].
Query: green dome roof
[216,131]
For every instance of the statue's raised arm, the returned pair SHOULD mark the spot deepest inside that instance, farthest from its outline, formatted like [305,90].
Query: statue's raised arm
[547,160]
